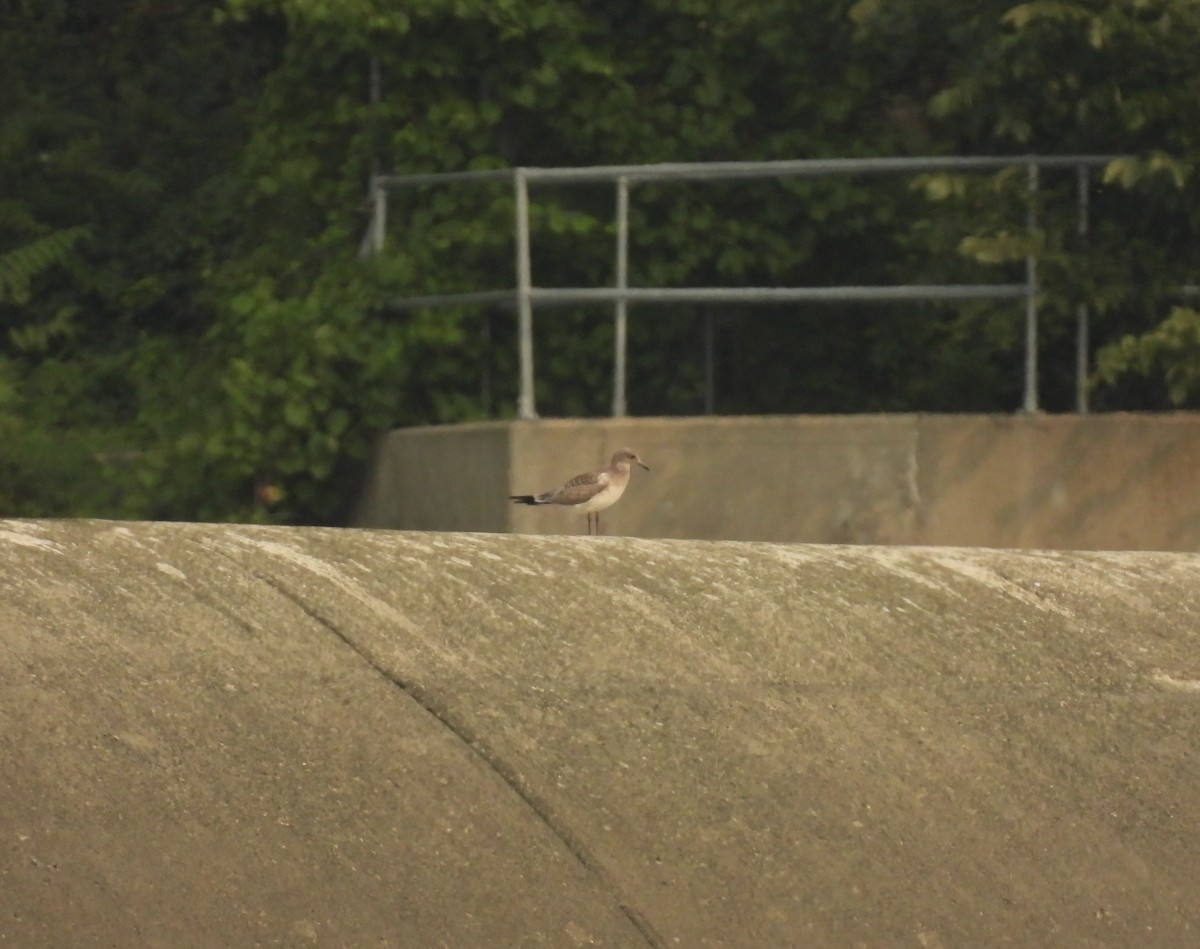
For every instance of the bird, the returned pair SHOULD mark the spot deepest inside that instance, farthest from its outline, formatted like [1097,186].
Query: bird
[592,491]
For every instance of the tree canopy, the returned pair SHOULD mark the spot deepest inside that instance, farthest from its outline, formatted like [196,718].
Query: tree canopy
[189,330]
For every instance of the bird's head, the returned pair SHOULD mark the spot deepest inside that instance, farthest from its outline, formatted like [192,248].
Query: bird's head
[625,456]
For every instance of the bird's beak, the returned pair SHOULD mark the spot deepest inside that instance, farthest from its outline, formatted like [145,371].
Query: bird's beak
[642,463]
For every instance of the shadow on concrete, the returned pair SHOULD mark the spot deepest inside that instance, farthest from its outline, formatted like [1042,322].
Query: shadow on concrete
[219,735]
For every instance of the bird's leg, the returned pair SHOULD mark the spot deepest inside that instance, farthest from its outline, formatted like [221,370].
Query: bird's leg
[589,517]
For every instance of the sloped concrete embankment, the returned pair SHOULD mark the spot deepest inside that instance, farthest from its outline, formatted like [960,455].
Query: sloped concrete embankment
[252,736]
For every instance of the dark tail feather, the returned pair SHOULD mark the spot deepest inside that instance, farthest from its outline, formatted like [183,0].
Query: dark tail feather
[523,499]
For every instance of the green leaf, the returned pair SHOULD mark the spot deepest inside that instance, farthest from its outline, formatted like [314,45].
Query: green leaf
[296,414]
[19,267]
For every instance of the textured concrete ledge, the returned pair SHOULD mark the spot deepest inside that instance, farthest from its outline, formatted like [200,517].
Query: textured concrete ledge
[261,736]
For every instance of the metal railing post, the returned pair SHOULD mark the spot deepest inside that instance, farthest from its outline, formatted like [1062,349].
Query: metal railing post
[1081,312]
[379,217]
[372,242]
[525,406]
[710,360]
[1031,289]
[620,328]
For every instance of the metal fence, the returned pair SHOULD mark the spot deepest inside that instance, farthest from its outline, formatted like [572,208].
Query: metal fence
[525,297]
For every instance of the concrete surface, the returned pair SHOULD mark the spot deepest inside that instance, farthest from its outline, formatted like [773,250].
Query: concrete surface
[425,481]
[1095,482]
[240,736]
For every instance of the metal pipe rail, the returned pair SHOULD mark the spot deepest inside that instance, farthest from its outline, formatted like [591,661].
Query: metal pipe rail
[568,296]
[524,297]
[746,170]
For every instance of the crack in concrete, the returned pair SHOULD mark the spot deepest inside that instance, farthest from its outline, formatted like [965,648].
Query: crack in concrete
[493,762]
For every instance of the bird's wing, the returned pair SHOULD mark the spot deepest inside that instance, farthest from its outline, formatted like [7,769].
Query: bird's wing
[581,488]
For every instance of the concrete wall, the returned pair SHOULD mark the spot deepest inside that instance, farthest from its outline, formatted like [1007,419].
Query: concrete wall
[450,478]
[1114,481]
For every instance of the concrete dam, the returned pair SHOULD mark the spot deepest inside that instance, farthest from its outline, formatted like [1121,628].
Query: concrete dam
[248,736]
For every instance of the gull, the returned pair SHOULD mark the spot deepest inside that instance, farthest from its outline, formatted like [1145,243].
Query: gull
[591,492]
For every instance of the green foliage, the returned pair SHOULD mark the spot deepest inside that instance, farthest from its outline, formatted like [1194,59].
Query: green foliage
[1071,77]
[308,382]
[1169,352]
[20,266]
[188,331]
[1133,171]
